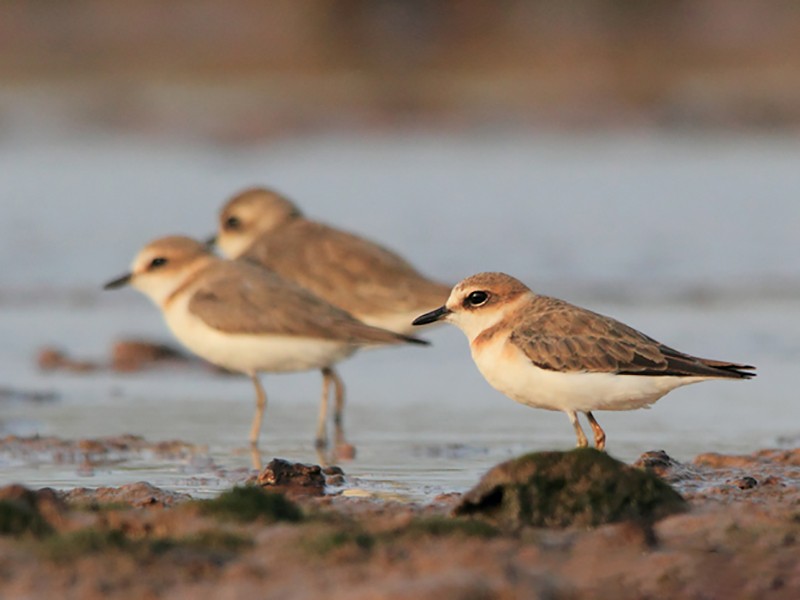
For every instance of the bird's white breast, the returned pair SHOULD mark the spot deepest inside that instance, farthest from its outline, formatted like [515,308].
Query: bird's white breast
[251,353]
[508,370]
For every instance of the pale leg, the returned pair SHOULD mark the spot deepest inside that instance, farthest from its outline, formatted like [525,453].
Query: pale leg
[342,449]
[599,434]
[338,415]
[261,404]
[321,440]
[573,418]
[255,457]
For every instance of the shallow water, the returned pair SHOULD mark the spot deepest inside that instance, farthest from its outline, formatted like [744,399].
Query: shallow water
[695,241]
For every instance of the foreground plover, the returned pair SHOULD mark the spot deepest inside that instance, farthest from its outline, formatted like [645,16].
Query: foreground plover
[370,282]
[547,353]
[244,318]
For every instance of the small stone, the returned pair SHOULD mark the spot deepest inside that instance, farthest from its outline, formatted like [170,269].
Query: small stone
[335,480]
[744,483]
[655,461]
[661,464]
[292,478]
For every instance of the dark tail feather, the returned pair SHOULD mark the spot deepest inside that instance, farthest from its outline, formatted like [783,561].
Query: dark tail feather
[415,340]
[730,369]
[686,365]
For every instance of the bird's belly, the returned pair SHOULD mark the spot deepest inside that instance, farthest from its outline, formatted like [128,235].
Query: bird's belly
[509,371]
[250,353]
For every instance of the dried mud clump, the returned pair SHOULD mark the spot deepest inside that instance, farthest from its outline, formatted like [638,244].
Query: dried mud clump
[757,460]
[55,359]
[136,355]
[292,478]
[125,356]
[661,464]
[583,487]
[761,477]
[139,495]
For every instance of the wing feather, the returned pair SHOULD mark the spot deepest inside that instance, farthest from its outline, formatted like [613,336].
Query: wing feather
[239,297]
[346,270]
[562,337]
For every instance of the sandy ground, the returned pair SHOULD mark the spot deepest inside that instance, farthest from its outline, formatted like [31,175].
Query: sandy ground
[738,539]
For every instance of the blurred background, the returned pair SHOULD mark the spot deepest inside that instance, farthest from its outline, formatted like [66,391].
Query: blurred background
[246,71]
[640,158]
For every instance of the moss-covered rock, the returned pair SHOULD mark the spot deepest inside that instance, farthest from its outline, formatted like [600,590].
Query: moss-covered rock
[17,518]
[211,546]
[247,503]
[583,487]
[326,541]
[24,511]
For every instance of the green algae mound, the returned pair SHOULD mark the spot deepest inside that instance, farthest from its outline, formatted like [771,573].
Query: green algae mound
[583,487]
[248,503]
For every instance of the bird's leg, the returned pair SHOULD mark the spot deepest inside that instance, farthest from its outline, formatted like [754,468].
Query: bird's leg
[321,441]
[261,404]
[255,457]
[342,450]
[599,434]
[573,418]
[338,414]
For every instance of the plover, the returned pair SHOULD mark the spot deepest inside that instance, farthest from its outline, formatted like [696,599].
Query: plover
[370,282]
[242,317]
[547,353]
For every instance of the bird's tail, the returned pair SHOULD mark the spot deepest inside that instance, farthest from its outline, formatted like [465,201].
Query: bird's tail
[728,369]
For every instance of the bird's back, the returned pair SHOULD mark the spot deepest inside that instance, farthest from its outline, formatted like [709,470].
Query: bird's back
[348,271]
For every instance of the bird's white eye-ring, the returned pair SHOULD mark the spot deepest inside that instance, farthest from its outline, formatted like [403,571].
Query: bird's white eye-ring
[476,298]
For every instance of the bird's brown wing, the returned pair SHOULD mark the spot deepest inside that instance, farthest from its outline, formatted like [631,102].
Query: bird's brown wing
[561,337]
[238,297]
[347,270]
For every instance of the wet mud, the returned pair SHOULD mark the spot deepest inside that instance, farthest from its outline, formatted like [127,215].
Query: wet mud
[294,532]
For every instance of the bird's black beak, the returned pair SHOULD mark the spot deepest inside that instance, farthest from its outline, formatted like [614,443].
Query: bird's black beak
[432,317]
[118,282]
[211,242]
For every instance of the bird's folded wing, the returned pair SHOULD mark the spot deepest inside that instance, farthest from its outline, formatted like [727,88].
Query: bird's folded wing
[347,270]
[563,337]
[245,299]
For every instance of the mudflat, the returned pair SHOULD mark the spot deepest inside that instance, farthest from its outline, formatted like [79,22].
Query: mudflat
[284,534]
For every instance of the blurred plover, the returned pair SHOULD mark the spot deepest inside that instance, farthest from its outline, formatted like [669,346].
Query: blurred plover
[242,317]
[547,353]
[370,282]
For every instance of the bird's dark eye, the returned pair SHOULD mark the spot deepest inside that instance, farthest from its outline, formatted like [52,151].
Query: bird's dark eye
[232,223]
[159,261]
[476,299]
